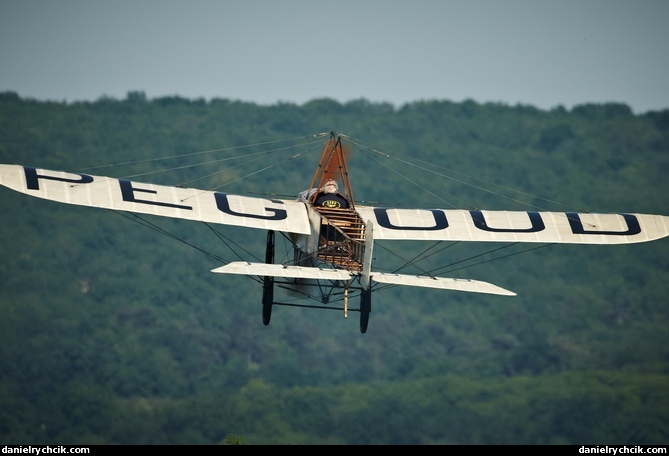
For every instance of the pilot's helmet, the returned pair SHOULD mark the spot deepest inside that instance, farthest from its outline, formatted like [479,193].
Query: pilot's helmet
[330,186]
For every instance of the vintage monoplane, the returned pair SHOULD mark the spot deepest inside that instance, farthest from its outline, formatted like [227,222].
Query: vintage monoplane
[333,244]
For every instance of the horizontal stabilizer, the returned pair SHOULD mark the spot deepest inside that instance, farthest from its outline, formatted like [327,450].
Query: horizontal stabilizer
[473,286]
[279,270]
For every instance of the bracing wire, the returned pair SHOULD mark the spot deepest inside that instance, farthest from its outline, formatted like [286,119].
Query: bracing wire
[428,187]
[424,186]
[542,246]
[378,157]
[262,156]
[190,154]
[432,168]
[142,221]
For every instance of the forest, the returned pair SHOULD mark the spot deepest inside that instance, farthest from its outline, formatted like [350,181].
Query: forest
[114,330]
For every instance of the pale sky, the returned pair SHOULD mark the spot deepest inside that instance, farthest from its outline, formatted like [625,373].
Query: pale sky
[534,52]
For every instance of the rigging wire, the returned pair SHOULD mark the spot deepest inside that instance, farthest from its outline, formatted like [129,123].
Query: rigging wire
[142,221]
[176,168]
[189,154]
[445,269]
[245,176]
[430,168]
[422,256]
[263,169]
[233,246]
[423,184]
[270,152]
[403,174]
[227,241]
[542,246]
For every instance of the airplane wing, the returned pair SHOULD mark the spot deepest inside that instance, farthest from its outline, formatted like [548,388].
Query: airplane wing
[176,202]
[291,216]
[514,226]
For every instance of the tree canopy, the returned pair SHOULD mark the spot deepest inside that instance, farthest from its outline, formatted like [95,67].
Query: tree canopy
[115,333]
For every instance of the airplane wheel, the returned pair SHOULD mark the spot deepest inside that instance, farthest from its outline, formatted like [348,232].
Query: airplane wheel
[365,309]
[266,312]
[267,299]
[268,282]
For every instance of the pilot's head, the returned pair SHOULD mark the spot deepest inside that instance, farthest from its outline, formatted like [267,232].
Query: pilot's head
[330,186]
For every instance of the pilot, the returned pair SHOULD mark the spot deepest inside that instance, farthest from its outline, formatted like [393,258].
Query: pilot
[330,197]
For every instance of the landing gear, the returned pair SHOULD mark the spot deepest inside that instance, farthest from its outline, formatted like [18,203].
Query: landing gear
[365,309]
[325,285]
[268,282]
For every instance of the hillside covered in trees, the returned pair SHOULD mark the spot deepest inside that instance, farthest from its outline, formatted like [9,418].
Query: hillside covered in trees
[114,330]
